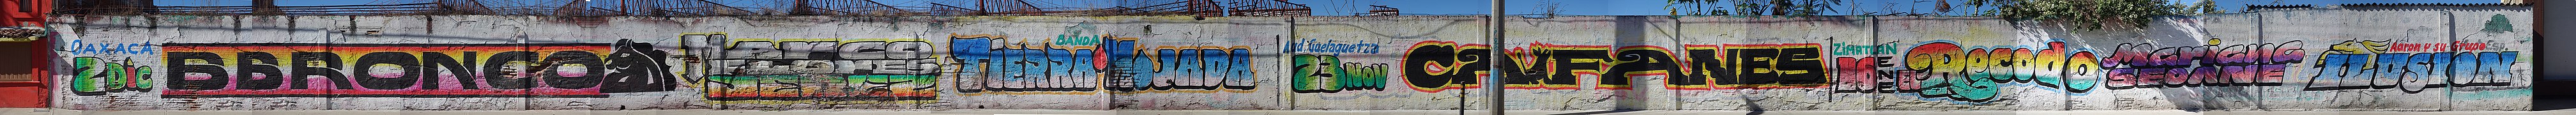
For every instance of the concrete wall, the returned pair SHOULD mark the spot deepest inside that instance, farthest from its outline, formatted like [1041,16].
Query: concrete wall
[2427,58]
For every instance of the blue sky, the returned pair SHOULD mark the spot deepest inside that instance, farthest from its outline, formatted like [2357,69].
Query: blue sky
[1347,7]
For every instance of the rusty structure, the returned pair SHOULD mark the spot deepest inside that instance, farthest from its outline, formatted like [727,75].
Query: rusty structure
[1201,8]
[1014,8]
[842,7]
[1204,8]
[1269,8]
[1380,10]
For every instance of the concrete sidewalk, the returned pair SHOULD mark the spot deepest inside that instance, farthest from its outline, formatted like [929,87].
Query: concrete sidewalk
[38,111]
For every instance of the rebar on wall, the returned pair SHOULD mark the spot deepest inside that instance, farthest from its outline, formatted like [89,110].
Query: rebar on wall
[671,8]
[1269,8]
[144,7]
[371,9]
[937,9]
[1008,8]
[842,7]
[1174,8]
[1380,10]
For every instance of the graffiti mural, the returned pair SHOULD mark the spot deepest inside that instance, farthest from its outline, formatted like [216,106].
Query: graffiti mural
[78,47]
[1861,68]
[1433,66]
[1700,67]
[99,76]
[824,69]
[1550,66]
[2143,66]
[1319,66]
[1798,65]
[1332,46]
[1943,70]
[1325,72]
[2410,67]
[409,70]
[992,63]
[1328,74]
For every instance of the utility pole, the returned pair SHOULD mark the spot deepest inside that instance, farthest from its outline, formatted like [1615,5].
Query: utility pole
[1494,72]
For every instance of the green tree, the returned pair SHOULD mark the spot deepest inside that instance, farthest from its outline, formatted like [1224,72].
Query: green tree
[1751,7]
[2086,14]
[2090,14]
[1694,7]
[2206,7]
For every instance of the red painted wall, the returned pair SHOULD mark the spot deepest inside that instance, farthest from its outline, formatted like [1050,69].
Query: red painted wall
[27,58]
